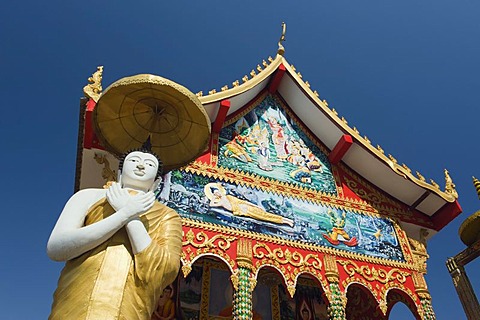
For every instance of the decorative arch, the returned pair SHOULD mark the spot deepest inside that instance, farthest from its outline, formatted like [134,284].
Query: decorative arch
[318,278]
[256,272]
[397,295]
[198,243]
[361,303]
[187,265]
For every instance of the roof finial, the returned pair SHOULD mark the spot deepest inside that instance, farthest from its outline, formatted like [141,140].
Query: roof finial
[476,183]
[281,49]
[94,88]
[449,185]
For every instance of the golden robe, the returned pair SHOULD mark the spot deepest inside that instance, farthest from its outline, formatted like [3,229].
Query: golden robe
[110,282]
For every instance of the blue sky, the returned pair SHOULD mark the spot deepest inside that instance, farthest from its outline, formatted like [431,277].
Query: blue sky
[405,73]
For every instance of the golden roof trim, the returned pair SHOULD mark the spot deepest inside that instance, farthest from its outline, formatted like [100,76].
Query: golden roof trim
[400,169]
[248,83]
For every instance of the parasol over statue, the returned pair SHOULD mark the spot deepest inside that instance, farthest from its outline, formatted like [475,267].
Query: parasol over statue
[134,108]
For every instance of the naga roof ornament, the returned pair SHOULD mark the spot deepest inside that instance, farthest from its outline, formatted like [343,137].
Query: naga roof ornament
[94,88]
[449,185]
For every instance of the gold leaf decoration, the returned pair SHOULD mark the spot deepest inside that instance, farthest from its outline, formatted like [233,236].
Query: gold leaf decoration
[374,274]
[201,240]
[260,251]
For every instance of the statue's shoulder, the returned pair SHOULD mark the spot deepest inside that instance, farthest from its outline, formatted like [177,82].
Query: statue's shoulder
[89,196]
[90,192]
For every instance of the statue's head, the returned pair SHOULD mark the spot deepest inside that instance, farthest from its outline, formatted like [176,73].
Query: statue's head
[139,169]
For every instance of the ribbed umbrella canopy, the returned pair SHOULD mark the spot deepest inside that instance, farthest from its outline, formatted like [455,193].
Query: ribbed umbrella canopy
[134,108]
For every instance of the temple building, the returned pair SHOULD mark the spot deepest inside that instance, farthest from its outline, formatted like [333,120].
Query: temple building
[290,213]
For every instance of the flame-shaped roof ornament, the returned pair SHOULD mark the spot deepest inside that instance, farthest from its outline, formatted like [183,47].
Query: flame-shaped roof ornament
[281,49]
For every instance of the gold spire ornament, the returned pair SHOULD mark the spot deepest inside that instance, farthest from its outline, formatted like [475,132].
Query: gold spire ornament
[476,183]
[94,88]
[281,49]
[434,184]
[420,177]
[449,185]
[469,230]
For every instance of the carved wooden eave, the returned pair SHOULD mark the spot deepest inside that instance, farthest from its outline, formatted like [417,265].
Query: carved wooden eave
[369,161]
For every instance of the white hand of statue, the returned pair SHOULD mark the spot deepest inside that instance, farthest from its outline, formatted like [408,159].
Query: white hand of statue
[117,196]
[139,204]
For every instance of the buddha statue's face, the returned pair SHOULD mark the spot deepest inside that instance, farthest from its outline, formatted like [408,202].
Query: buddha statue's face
[139,170]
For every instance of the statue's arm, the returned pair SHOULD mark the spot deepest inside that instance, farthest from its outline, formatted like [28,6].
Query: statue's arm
[70,238]
[138,235]
[160,261]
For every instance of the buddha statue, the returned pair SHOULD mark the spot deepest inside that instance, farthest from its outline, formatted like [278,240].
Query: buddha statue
[121,246]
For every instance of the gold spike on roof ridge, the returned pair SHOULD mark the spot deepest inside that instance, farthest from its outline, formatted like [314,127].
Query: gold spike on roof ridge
[248,82]
[402,170]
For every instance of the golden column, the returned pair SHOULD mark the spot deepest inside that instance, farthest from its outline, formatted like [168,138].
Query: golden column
[470,235]
[336,298]
[243,281]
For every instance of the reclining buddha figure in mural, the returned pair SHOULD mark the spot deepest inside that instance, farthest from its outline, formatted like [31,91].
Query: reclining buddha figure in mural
[121,247]
[219,198]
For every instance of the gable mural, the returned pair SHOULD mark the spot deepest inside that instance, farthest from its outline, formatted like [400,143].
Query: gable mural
[211,200]
[266,141]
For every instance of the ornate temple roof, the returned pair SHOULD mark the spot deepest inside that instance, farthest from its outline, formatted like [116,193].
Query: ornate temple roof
[369,161]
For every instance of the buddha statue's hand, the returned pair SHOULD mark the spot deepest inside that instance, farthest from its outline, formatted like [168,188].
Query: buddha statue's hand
[138,204]
[117,196]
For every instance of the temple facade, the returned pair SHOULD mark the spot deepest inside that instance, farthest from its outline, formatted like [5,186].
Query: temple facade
[290,213]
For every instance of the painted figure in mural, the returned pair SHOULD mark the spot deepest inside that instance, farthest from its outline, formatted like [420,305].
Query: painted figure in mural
[305,311]
[219,198]
[263,156]
[121,246]
[279,138]
[338,233]
[301,174]
[306,314]
[227,311]
[254,135]
[235,150]
[311,161]
[295,156]
[166,306]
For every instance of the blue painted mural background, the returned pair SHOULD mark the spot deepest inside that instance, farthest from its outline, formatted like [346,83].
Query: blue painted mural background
[209,200]
[267,142]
